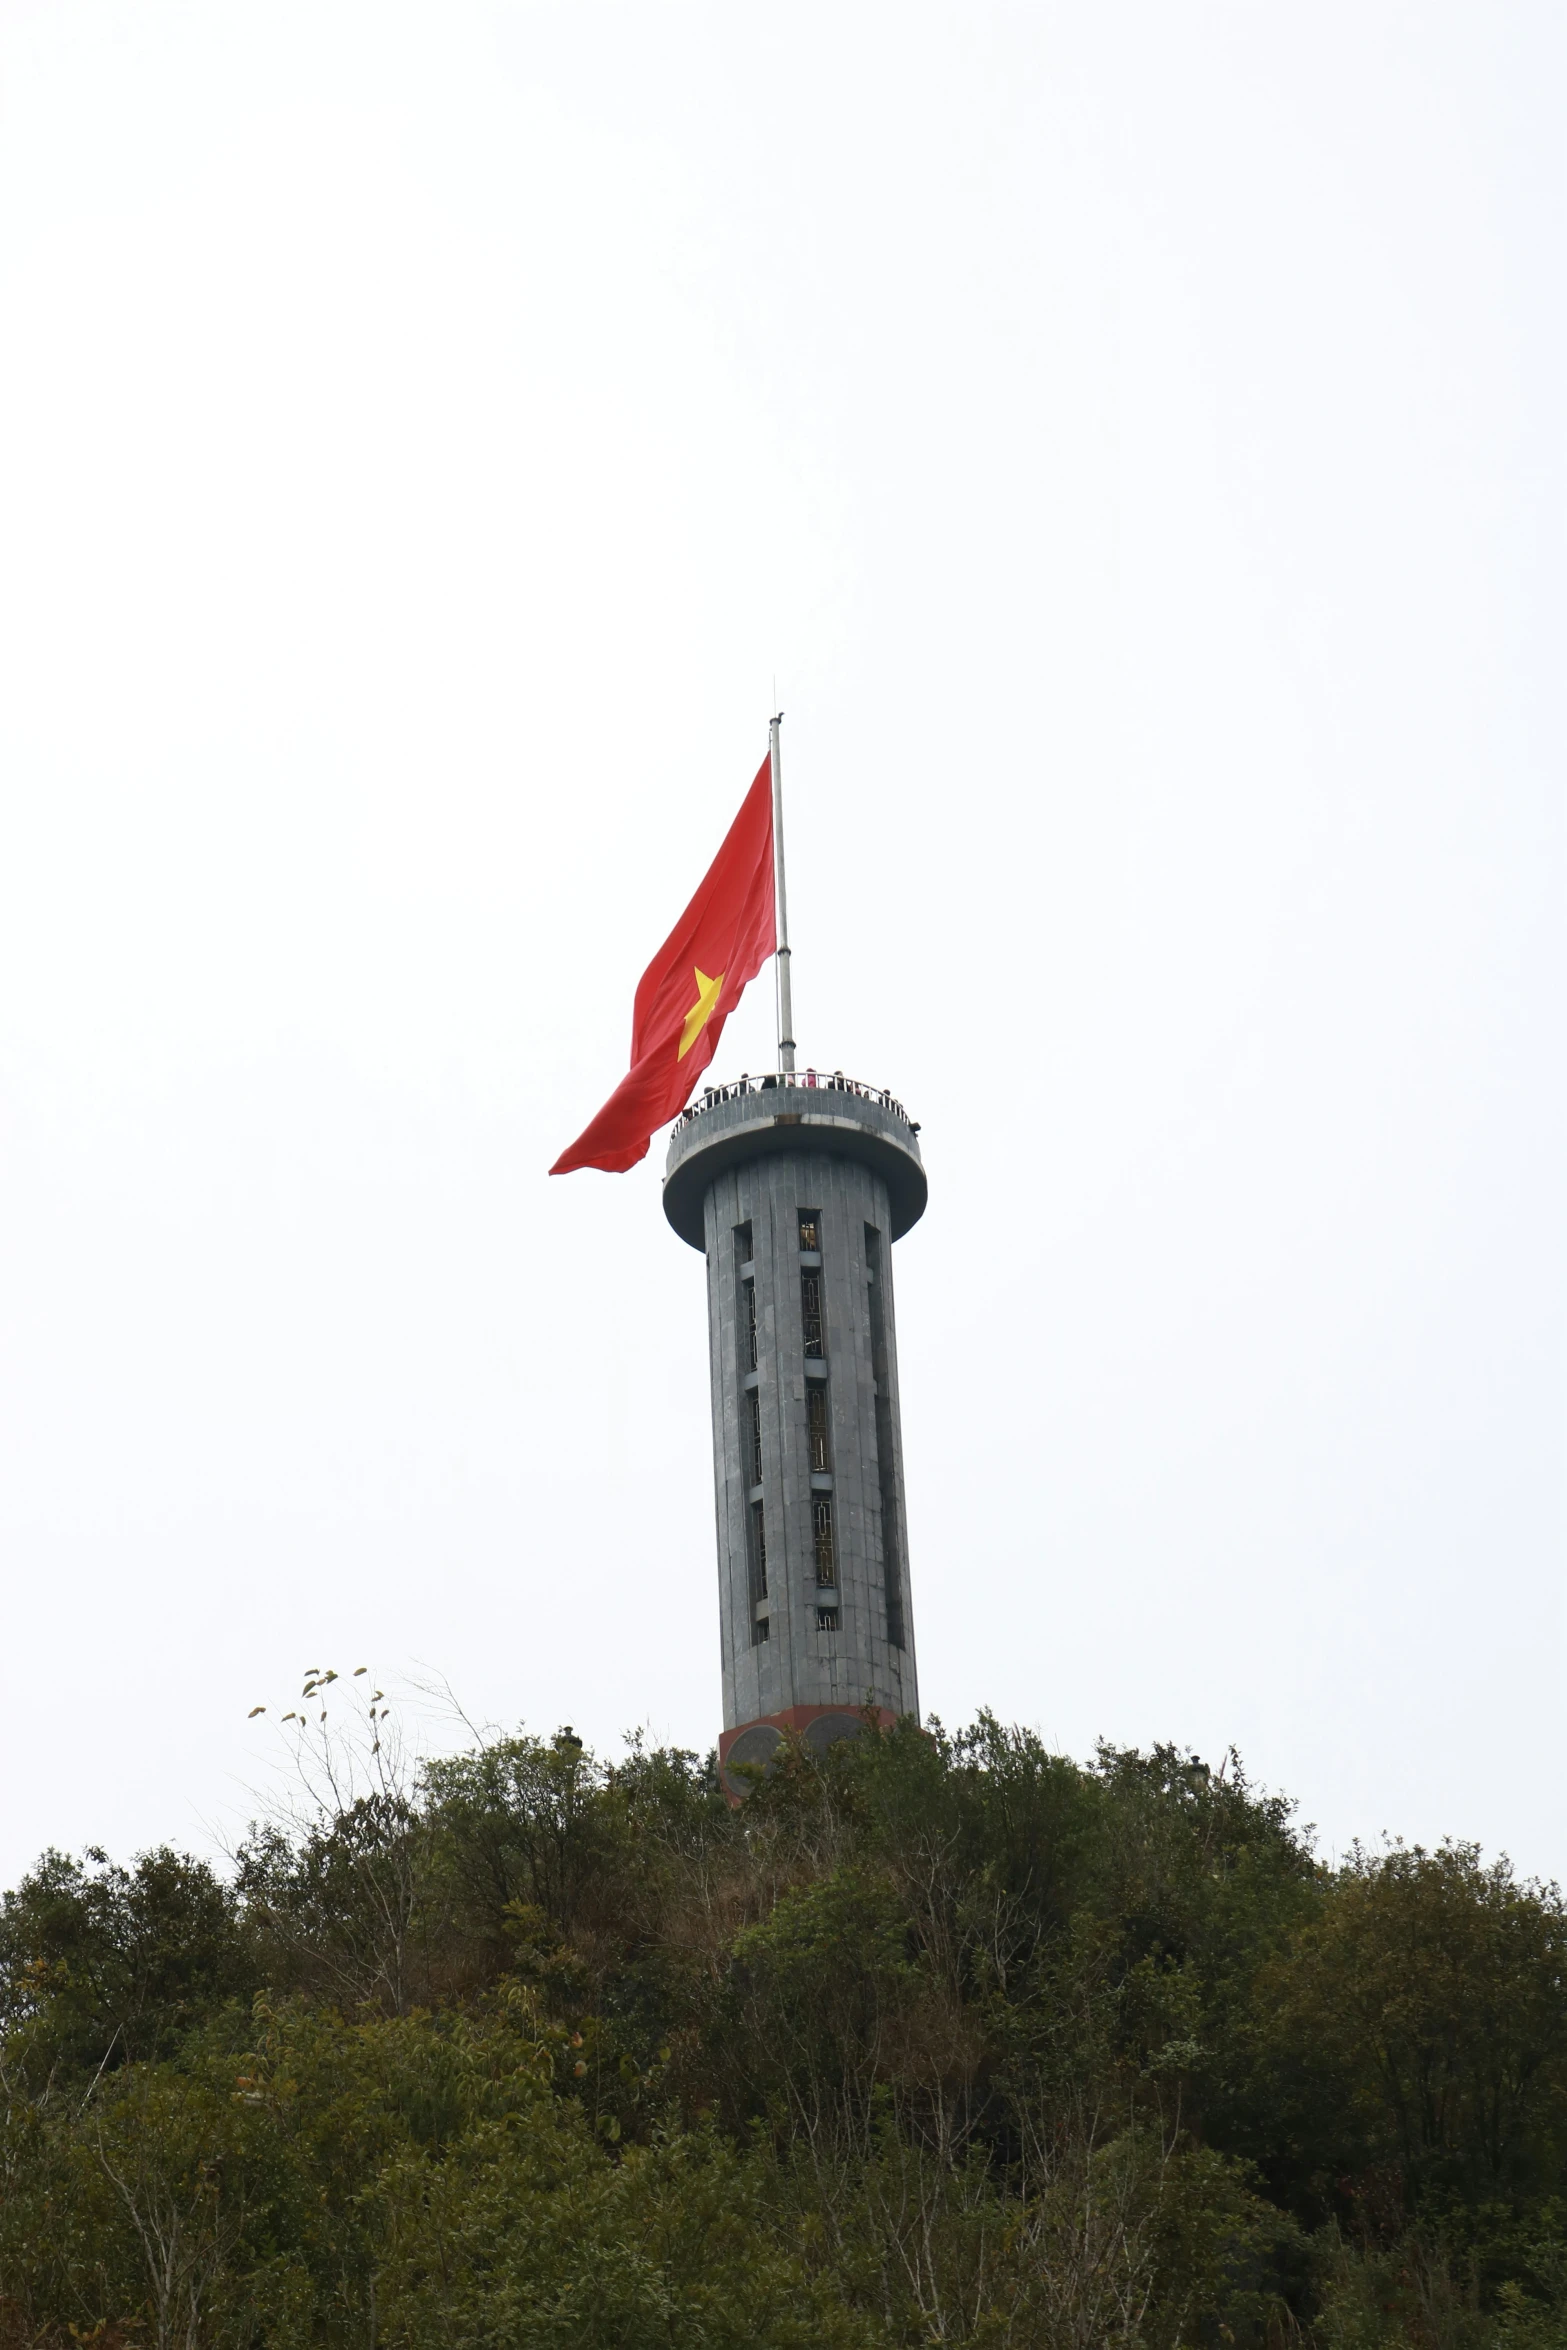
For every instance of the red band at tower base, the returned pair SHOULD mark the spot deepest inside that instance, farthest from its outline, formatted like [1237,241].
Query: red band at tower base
[816,1726]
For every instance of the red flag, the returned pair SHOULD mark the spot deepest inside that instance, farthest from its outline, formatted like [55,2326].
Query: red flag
[689,990]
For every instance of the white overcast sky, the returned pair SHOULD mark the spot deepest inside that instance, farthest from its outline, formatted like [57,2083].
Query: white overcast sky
[1132,438]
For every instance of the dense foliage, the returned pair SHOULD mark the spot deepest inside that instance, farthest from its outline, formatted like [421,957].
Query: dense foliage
[948,2040]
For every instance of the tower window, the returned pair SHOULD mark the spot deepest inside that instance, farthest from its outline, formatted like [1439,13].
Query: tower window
[810,1229]
[822,1542]
[811,1314]
[886,1461]
[764,1630]
[816,1428]
[758,1553]
[751,1430]
[747,1331]
[827,1619]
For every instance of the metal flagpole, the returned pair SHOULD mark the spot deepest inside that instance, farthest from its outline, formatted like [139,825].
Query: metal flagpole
[781,903]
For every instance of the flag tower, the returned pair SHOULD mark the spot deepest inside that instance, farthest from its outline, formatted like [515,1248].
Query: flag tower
[794,1187]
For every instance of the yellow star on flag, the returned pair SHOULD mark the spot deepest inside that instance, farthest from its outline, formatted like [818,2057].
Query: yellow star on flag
[701,1011]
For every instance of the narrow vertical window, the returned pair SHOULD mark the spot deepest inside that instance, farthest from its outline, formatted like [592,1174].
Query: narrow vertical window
[753,1436]
[811,1314]
[825,1547]
[750,1429]
[811,1285]
[886,1462]
[816,1427]
[747,1330]
[758,1525]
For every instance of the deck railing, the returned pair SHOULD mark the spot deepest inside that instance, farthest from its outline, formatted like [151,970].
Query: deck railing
[802,1081]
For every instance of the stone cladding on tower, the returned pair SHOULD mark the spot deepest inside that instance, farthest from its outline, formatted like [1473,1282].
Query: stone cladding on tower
[795,1193]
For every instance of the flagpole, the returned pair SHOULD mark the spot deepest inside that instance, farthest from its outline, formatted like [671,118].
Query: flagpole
[781,905]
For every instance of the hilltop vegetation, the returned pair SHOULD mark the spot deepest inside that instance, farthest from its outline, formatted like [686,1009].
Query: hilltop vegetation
[948,2040]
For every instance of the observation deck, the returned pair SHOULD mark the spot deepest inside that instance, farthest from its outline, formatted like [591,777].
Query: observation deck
[758,1117]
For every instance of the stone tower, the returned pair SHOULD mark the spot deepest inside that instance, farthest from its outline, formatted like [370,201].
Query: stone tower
[795,1187]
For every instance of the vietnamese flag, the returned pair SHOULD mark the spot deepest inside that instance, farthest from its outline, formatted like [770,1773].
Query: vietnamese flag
[689,990]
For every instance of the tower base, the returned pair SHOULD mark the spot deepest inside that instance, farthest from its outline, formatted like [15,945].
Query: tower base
[757,1744]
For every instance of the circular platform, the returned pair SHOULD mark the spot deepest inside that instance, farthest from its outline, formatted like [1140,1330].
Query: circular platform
[764,1116]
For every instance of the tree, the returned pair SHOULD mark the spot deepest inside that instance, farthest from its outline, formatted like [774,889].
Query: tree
[102,1965]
